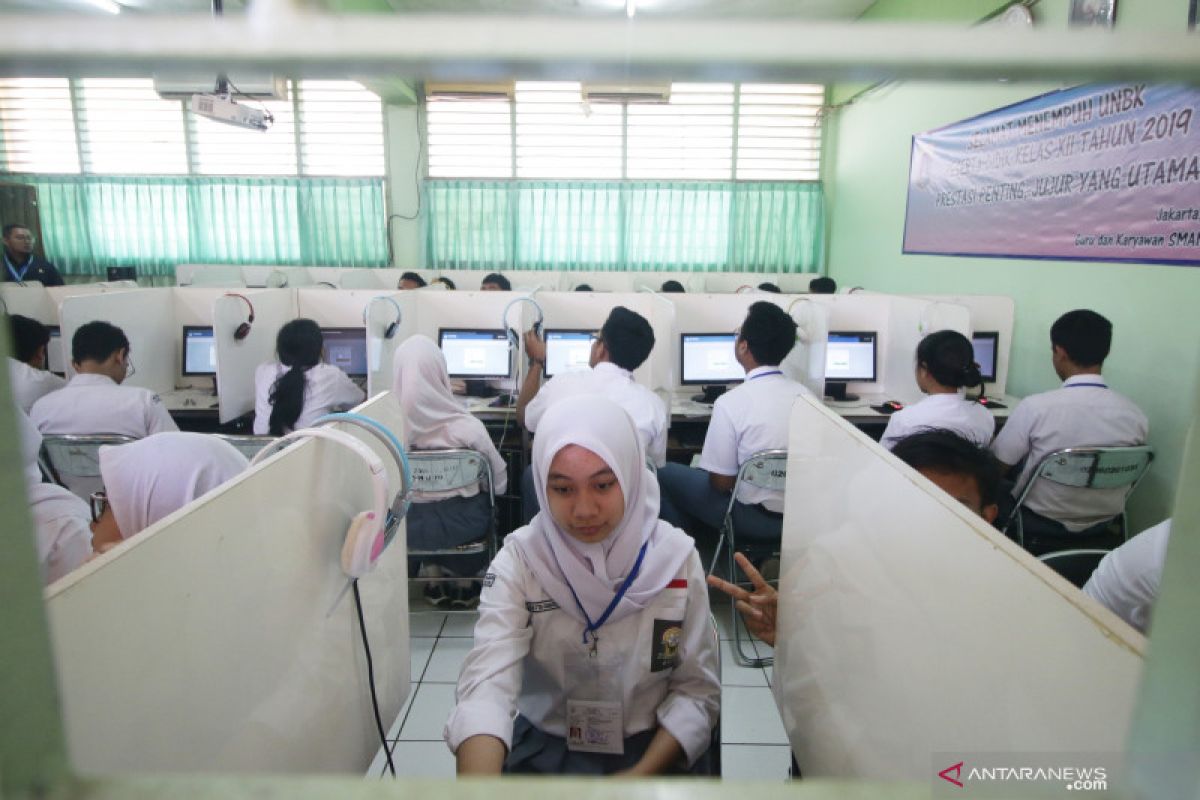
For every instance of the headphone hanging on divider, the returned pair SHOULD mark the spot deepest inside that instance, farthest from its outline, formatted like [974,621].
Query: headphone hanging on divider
[392,444]
[243,330]
[513,336]
[366,535]
[390,330]
[803,331]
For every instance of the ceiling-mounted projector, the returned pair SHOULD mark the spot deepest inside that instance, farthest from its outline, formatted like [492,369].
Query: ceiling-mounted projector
[223,108]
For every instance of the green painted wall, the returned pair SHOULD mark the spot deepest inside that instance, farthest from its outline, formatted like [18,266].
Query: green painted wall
[1155,310]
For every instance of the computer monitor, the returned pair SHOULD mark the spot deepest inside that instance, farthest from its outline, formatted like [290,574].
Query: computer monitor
[849,356]
[199,350]
[567,350]
[475,352]
[987,344]
[708,359]
[346,349]
[56,360]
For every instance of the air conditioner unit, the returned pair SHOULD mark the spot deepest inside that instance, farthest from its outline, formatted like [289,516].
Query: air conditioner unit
[177,86]
[626,93]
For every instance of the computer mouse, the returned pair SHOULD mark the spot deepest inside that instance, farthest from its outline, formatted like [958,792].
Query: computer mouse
[894,405]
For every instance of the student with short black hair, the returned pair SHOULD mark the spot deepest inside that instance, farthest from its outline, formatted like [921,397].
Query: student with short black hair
[411,280]
[946,368]
[621,346]
[21,264]
[767,286]
[962,469]
[749,418]
[822,285]
[449,284]
[495,282]
[299,388]
[27,373]
[95,401]
[584,287]
[1083,412]
[672,286]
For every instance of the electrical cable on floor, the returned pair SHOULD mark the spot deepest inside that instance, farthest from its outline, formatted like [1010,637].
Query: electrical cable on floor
[362,627]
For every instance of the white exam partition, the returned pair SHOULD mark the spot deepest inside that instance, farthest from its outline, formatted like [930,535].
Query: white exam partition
[237,359]
[795,282]
[912,635]
[193,305]
[222,638]
[730,282]
[34,302]
[653,281]
[147,316]
[476,310]
[806,361]
[380,348]
[599,281]
[910,320]
[989,313]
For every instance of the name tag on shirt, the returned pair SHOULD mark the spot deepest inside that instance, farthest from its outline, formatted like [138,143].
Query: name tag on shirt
[595,726]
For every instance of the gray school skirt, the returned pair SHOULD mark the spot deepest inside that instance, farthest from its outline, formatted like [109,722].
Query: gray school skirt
[450,523]
[536,752]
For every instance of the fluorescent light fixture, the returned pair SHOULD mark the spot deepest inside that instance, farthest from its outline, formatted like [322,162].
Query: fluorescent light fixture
[105,5]
[630,8]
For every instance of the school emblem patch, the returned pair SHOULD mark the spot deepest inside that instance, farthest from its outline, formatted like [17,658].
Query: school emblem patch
[668,634]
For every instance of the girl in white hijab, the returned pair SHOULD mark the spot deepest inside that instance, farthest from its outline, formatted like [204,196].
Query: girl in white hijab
[594,621]
[60,519]
[435,420]
[153,477]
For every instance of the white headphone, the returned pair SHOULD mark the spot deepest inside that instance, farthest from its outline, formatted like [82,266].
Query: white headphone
[365,537]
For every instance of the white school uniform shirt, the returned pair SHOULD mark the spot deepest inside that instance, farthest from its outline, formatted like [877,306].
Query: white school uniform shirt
[326,388]
[644,407]
[946,412]
[751,417]
[1126,581]
[29,384]
[1084,412]
[522,636]
[64,533]
[91,403]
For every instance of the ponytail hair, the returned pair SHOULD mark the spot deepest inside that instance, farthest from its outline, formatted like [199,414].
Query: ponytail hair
[299,345]
[950,359]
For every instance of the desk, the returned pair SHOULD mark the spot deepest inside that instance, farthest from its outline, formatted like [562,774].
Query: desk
[855,411]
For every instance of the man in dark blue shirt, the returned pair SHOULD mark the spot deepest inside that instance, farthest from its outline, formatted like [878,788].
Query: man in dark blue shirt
[20,263]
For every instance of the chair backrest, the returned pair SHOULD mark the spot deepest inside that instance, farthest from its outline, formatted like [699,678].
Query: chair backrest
[435,471]
[766,469]
[246,445]
[1074,565]
[1097,467]
[73,461]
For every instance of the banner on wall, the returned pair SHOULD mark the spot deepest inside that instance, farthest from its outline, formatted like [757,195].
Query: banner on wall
[1100,173]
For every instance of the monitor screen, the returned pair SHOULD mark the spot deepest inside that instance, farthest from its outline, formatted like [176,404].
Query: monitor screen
[56,360]
[850,356]
[346,349]
[986,344]
[567,351]
[472,353]
[707,358]
[199,350]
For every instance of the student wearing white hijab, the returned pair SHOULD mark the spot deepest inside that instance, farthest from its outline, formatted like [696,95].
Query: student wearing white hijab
[436,420]
[594,629]
[60,519]
[154,477]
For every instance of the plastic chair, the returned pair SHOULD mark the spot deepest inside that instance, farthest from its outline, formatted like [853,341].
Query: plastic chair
[766,469]
[245,444]
[1086,468]
[73,460]
[437,471]
[1074,565]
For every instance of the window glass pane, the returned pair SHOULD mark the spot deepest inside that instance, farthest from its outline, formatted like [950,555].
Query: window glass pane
[469,137]
[691,137]
[37,126]
[341,129]
[220,149]
[560,136]
[779,132]
[127,129]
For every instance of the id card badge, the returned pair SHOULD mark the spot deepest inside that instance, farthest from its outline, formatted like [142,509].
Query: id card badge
[595,717]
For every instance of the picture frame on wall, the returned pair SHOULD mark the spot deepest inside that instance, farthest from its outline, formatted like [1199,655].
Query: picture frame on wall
[1087,13]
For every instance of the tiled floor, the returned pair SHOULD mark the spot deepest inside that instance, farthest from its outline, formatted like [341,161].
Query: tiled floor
[753,743]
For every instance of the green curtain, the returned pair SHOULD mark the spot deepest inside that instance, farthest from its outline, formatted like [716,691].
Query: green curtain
[624,225]
[93,222]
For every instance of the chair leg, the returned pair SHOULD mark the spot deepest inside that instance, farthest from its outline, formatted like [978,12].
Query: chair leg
[739,654]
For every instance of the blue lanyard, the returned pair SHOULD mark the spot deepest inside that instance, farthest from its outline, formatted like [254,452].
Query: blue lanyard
[764,374]
[12,271]
[1078,385]
[592,627]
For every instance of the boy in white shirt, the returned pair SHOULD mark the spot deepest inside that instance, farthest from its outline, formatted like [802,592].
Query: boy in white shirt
[749,418]
[620,347]
[1084,412]
[94,401]
[27,372]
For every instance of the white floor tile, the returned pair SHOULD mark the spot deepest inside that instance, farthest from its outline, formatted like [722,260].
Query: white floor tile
[423,760]
[447,660]
[430,708]
[378,766]
[734,675]
[720,610]
[749,716]
[759,762]
[764,650]
[460,625]
[425,624]
[419,650]
[394,728]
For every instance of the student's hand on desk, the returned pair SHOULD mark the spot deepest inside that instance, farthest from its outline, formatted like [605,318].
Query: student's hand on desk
[758,608]
[535,348]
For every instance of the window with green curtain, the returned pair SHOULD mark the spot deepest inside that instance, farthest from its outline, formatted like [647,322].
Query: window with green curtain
[92,222]
[625,225]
